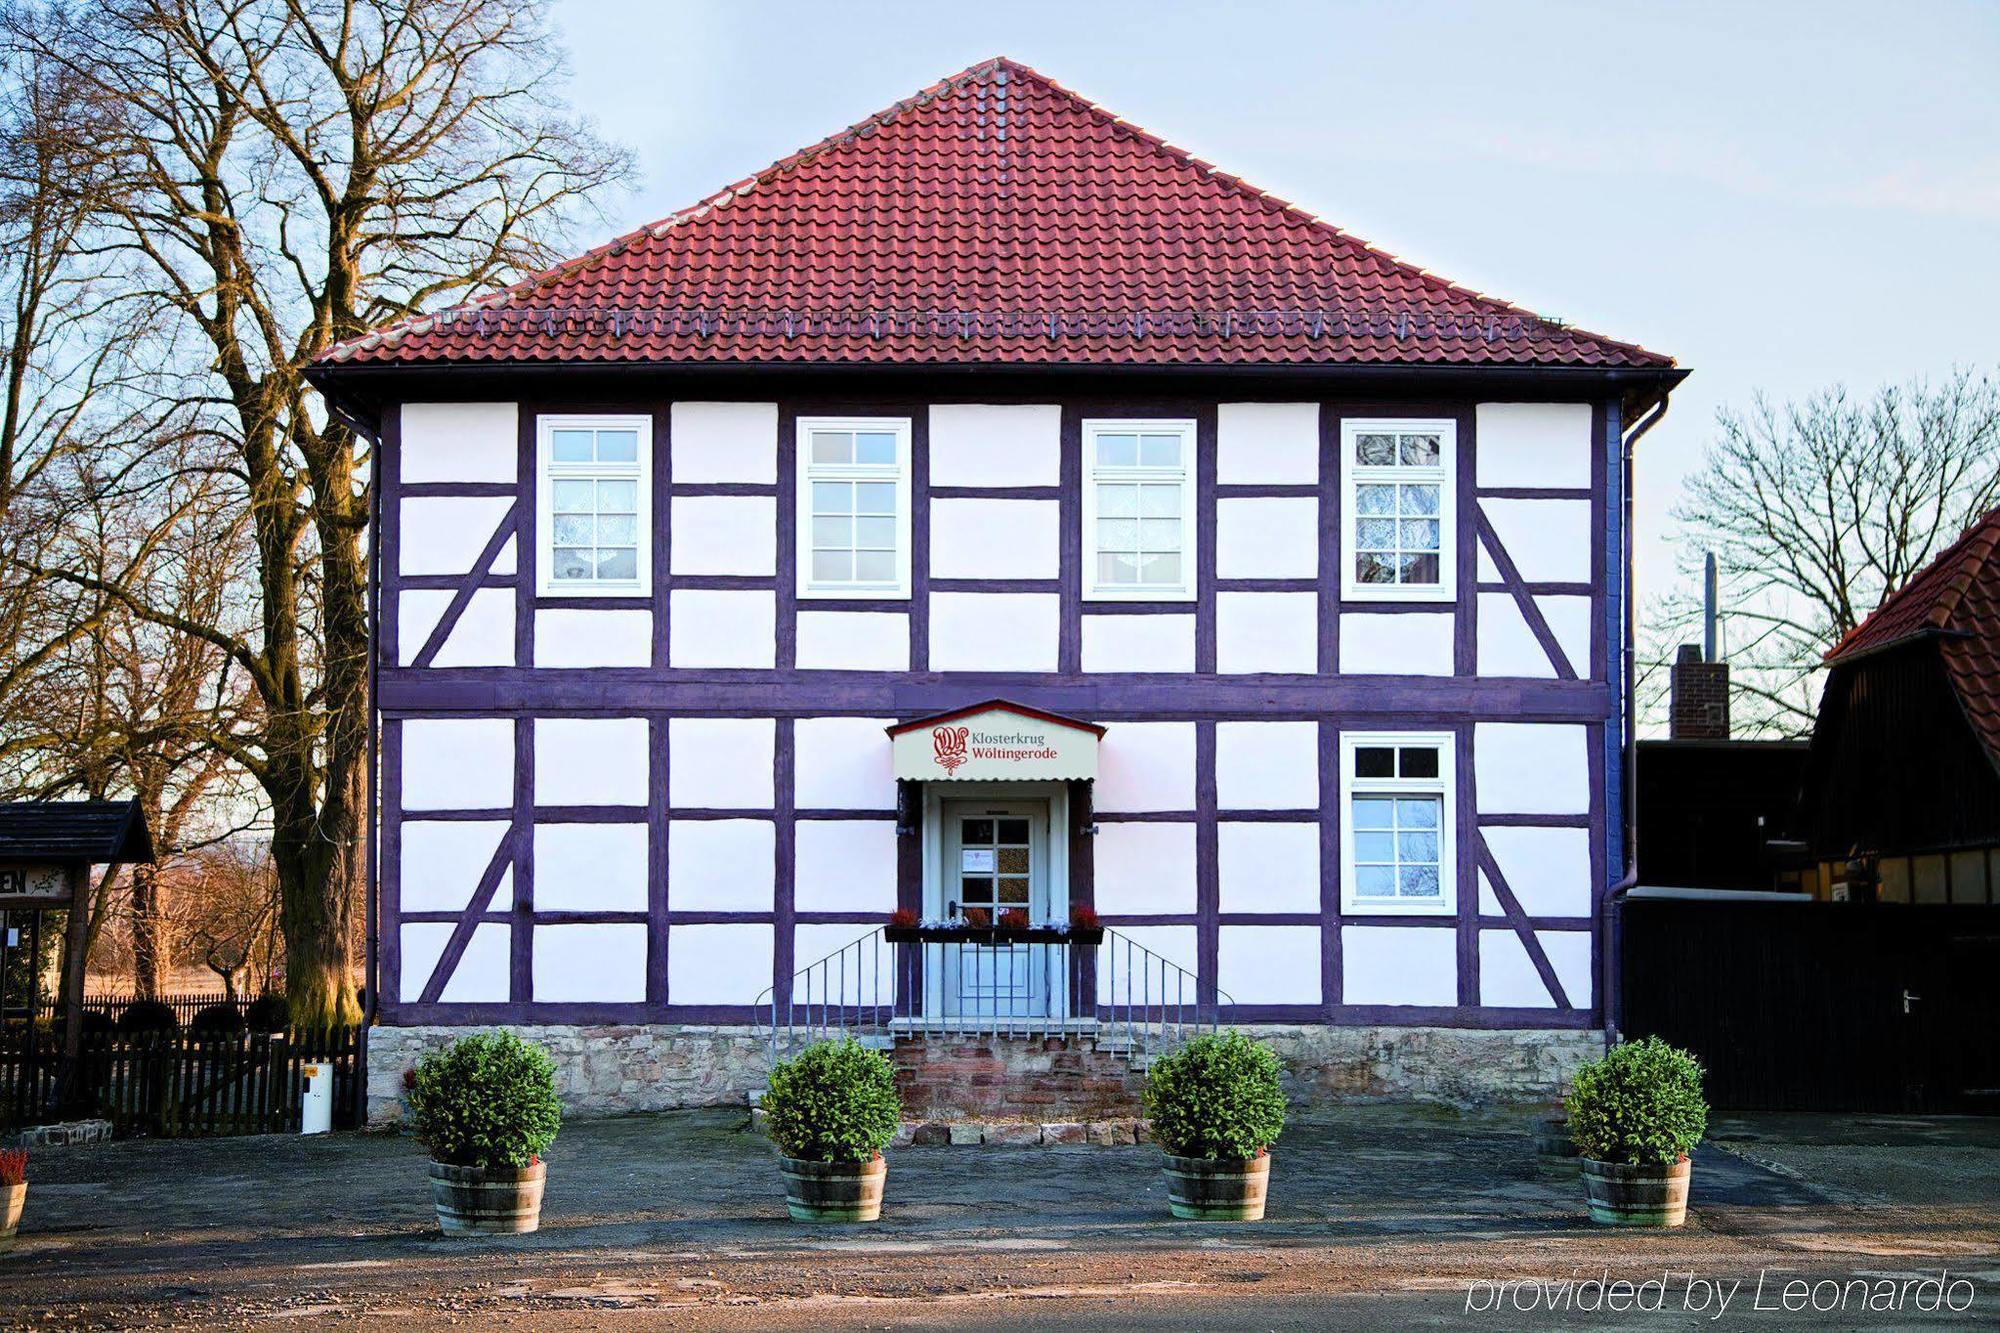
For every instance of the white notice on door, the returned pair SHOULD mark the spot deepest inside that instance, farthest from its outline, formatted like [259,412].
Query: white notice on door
[976,861]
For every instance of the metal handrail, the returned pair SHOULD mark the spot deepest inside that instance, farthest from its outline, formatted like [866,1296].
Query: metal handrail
[1117,990]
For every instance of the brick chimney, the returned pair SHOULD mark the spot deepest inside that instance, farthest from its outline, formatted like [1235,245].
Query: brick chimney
[1698,708]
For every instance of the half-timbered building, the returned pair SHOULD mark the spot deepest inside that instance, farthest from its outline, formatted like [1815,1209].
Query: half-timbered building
[996,513]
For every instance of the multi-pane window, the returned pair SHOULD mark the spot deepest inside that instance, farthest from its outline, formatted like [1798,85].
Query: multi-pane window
[854,507]
[1138,510]
[994,863]
[1396,846]
[1397,531]
[594,508]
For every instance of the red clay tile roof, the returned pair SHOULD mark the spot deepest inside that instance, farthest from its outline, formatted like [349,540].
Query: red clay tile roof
[1955,598]
[995,217]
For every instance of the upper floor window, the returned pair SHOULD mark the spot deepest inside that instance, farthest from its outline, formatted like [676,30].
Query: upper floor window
[1398,528]
[594,505]
[1396,847]
[1138,511]
[854,507]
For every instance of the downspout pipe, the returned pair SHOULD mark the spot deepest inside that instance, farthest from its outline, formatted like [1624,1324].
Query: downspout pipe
[1611,907]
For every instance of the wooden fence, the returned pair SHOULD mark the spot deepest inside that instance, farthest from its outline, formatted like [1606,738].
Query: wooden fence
[182,1084]
[185,1005]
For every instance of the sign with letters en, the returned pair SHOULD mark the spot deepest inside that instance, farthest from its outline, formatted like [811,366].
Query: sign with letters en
[34,884]
[996,745]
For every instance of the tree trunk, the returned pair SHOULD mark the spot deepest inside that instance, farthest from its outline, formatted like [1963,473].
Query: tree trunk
[146,946]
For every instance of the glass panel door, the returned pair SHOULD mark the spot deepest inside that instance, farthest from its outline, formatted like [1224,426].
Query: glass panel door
[996,860]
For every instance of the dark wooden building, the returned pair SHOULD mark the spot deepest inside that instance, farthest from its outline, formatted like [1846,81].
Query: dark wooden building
[1900,798]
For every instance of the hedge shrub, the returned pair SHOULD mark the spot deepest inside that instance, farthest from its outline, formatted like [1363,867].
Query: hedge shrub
[835,1102]
[1217,1097]
[1640,1105]
[488,1099]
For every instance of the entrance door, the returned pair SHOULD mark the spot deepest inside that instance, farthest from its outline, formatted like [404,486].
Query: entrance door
[996,858]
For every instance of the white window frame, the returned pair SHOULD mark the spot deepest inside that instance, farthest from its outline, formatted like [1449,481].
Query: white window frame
[1445,475]
[548,472]
[808,472]
[1444,785]
[1185,475]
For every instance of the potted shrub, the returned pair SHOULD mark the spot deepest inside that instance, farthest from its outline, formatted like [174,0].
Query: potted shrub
[1635,1115]
[13,1193]
[486,1108]
[1215,1107]
[831,1111]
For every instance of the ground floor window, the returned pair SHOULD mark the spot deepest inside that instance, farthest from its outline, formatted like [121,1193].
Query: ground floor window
[1396,852]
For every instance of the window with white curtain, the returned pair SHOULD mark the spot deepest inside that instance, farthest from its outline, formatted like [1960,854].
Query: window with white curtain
[1396,800]
[594,505]
[854,507]
[1139,511]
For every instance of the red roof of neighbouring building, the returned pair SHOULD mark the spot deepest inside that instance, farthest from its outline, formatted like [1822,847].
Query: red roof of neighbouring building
[1956,600]
[995,217]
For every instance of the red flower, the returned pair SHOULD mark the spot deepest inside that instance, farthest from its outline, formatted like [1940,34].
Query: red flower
[1083,918]
[902,916]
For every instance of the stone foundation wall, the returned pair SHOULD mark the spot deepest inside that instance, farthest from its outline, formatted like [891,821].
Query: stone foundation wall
[617,1069]
[608,1069]
[1052,1080]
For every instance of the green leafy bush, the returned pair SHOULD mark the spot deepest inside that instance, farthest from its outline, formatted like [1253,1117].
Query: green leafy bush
[488,1099]
[836,1102]
[1640,1105]
[1217,1097]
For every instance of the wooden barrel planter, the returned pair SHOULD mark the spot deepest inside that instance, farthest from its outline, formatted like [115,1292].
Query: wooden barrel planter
[488,1200]
[1637,1196]
[1203,1190]
[835,1191]
[12,1198]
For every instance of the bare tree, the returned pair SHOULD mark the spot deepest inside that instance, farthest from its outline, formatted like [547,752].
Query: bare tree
[223,907]
[280,175]
[1816,510]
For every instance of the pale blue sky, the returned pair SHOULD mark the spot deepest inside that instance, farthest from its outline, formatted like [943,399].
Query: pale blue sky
[1778,195]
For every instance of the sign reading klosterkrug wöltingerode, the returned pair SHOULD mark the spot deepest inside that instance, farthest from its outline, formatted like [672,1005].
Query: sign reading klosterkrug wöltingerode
[995,744]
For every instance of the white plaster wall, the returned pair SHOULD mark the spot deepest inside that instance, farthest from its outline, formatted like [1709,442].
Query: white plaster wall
[720,763]
[1146,766]
[1267,867]
[458,763]
[995,539]
[721,865]
[718,964]
[715,628]
[724,534]
[603,962]
[870,967]
[1569,621]
[729,442]
[1507,647]
[1548,540]
[1507,975]
[1174,944]
[443,860]
[979,444]
[845,865]
[590,867]
[1267,538]
[483,635]
[591,761]
[843,763]
[1399,965]
[566,638]
[1414,643]
[1138,643]
[1144,869]
[1266,444]
[1547,868]
[460,442]
[1536,768]
[444,534]
[975,631]
[1268,964]
[853,641]
[1267,765]
[1266,632]
[1533,444]
[483,974]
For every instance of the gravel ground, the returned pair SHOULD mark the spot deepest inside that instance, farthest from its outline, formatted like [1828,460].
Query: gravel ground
[1380,1216]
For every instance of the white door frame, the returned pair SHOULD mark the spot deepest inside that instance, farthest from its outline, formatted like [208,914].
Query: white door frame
[1056,796]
